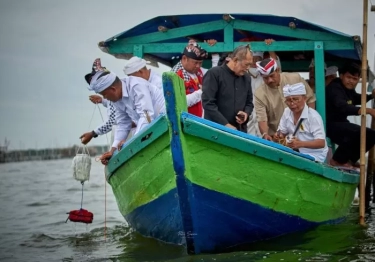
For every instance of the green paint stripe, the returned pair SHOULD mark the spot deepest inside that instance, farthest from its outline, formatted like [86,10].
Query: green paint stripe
[253,148]
[286,31]
[137,143]
[267,183]
[228,47]
[145,176]
[320,87]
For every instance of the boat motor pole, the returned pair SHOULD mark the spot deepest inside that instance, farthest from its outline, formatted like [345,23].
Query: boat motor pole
[363,119]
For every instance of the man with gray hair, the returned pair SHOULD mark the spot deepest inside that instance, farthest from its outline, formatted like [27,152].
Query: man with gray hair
[227,97]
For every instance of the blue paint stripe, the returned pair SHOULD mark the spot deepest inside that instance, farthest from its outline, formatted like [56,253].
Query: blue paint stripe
[178,161]
[221,221]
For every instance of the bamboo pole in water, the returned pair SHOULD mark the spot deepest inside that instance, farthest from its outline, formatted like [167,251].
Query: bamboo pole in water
[363,119]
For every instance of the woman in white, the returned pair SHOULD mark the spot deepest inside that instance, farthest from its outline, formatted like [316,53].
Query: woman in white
[304,122]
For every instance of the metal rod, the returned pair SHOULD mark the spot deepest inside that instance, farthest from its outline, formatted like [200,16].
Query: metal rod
[363,119]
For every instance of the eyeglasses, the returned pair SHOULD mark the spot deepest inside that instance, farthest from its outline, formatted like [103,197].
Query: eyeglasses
[293,100]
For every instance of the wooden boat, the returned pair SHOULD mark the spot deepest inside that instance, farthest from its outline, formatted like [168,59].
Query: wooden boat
[189,181]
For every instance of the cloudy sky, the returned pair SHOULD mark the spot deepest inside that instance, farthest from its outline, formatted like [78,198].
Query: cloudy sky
[46,46]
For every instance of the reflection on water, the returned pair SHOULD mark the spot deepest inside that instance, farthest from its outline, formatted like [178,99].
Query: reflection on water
[35,197]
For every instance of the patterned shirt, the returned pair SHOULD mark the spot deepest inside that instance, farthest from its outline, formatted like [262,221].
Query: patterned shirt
[107,126]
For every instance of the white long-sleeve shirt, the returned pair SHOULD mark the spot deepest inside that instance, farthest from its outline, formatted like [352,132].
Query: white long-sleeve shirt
[138,97]
[155,79]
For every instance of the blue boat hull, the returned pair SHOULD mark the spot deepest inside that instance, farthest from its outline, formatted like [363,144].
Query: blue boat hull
[219,221]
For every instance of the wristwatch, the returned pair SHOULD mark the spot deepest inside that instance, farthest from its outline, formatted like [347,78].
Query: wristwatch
[94,134]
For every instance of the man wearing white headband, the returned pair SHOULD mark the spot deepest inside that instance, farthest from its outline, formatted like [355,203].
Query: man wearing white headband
[137,67]
[135,100]
[301,125]
[269,99]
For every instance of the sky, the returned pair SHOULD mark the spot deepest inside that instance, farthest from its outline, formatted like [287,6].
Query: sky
[47,46]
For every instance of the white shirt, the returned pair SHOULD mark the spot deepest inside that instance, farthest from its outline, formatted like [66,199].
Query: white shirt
[311,128]
[155,79]
[138,97]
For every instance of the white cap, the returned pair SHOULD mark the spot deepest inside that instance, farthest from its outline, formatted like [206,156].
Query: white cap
[332,70]
[294,90]
[258,54]
[134,64]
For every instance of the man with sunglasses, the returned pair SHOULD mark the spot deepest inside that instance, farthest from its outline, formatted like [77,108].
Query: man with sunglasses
[134,99]
[269,99]
[302,126]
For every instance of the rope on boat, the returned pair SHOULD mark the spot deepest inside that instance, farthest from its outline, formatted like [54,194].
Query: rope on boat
[105,185]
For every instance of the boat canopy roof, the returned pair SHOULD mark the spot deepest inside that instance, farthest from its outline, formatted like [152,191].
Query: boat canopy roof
[162,39]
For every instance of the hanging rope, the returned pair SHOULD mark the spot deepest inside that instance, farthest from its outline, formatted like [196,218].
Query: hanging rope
[82,194]
[105,185]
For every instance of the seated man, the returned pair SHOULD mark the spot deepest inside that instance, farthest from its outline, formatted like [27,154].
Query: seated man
[341,101]
[227,97]
[134,98]
[302,126]
[269,101]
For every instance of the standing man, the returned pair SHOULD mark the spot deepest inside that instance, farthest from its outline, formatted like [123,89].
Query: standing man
[189,69]
[257,81]
[227,96]
[135,100]
[269,99]
[341,102]
[111,112]
[137,67]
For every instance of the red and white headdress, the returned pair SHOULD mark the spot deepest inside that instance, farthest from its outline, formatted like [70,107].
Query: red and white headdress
[266,66]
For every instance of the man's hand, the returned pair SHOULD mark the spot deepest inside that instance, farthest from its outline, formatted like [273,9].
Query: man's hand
[106,157]
[210,42]
[96,99]
[119,146]
[370,111]
[278,136]
[241,117]
[230,126]
[268,41]
[267,137]
[86,137]
[295,143]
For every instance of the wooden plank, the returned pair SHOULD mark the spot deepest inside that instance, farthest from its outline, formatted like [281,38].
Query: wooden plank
[320,80]
[225,47]
[286,31]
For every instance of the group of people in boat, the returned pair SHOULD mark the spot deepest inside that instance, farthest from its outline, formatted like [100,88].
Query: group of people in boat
[243,90]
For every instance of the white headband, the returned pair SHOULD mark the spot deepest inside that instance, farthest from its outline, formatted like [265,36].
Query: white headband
[98,84]
[134,64]
[294,90]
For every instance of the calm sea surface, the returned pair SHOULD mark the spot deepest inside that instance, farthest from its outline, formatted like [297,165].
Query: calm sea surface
[35,197]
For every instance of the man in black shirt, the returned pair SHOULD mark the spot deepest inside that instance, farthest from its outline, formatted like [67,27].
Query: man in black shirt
[227,97]
[341,101]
